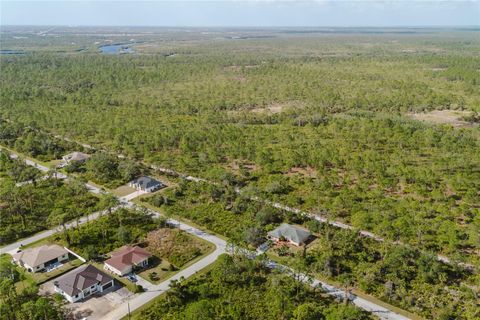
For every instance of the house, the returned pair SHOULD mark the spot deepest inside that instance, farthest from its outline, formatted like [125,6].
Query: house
[82,282]
[125,259]
[40,258]
[75,157]
[146,184]
[290,233]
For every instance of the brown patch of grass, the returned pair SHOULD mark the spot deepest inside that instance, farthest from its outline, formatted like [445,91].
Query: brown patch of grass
[307,171]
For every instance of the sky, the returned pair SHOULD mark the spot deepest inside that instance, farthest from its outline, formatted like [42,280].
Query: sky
[234,13]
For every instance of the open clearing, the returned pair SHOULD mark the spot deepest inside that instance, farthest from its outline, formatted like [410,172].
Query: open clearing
[452,117]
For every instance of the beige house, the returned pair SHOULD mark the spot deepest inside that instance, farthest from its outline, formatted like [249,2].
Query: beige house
[40,258]
[125,259]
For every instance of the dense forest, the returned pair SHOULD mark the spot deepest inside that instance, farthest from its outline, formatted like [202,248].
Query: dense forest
[238,288]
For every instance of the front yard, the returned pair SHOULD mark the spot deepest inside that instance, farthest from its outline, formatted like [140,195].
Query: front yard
[41,277]
[158,270]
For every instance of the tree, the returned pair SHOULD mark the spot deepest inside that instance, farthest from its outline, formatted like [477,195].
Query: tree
[254,236]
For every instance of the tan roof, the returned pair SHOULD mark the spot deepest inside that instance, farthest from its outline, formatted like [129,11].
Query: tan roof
[36,256]
[127,256]
[81,278]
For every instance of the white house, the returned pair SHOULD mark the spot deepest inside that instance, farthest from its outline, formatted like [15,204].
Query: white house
[82,282]
[125,259]
[39,258]
[145,184]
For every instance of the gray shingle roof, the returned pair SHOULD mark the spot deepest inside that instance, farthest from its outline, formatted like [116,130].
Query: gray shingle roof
[147,182]
[290,232]
[81,278]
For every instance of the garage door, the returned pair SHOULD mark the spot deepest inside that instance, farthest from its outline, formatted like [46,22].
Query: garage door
[108,285]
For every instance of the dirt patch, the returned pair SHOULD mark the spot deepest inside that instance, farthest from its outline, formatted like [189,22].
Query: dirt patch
[452,117]
[239,68]
[307,172]
[277,107]
[236,165]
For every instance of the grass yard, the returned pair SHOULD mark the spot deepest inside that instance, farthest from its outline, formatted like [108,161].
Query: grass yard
[159,266]
[123,191]
[41,277]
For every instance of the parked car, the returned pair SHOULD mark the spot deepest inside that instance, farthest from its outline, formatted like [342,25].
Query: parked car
[132,277]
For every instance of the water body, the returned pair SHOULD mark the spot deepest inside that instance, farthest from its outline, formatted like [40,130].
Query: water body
[12,52]
[115,49]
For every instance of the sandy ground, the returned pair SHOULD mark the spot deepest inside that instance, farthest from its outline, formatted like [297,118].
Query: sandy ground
[452,117]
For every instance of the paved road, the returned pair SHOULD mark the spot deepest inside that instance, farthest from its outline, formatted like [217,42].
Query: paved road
[277,205]
[42,235]
[381,312]
[221,247]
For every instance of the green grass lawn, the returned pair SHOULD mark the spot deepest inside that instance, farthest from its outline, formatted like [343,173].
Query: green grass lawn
[159,266]
[123,191]
[41,277]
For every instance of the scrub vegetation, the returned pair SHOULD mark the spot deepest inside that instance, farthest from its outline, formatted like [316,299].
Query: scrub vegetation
[320,120]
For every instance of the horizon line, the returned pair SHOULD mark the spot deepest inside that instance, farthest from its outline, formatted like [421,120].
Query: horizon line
[241,26]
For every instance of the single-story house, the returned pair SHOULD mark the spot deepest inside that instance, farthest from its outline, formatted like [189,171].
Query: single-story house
[39,258]
[125,259]
[82,282]
[145,184]
[75,157]
[290,233]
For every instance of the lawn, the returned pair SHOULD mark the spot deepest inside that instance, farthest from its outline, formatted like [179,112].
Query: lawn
[123,191]
[41,277]
[159,266]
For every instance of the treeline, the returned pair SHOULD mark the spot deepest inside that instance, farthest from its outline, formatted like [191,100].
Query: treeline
[15,170]
[107,169]
[109,232]
[22,302]
[33,142]
[237,288]
[39,204]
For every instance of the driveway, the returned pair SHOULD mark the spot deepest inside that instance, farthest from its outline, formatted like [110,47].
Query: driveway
[96,306]
[135,194]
